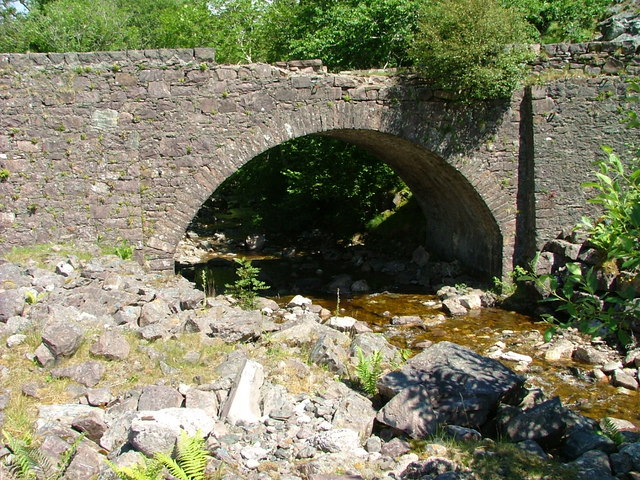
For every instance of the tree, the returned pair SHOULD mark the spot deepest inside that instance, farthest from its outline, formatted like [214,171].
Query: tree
[475,48]
[345,34]
[562,20]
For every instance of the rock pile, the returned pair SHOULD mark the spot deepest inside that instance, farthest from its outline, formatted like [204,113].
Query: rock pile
[275,407]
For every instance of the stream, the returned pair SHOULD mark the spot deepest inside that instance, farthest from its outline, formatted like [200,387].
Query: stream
[480,330]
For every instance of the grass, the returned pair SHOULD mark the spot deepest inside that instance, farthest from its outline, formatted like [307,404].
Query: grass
[496,460]
[39,254]
[119,377]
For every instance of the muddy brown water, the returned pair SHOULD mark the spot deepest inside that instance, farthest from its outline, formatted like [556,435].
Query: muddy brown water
[479,331]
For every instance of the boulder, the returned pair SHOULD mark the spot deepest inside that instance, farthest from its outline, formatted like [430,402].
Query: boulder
[242,406]
[328,353]
[336,440]
[206,401]
[581,440]
[445,383]
[369,342]
[12,303]
[355,412]
[154,312]
[111,345]
[92,424]
[238,326]
[62,339]
[157,431]
[159,397]
[454,307]
[86,463]
[545,423]
[87,373]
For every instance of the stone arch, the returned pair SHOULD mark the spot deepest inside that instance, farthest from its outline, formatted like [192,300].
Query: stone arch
[466,214]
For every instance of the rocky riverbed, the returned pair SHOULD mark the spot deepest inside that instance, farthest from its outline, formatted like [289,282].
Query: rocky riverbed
[93,344]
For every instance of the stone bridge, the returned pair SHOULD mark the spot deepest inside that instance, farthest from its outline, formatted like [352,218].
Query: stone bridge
[129,145]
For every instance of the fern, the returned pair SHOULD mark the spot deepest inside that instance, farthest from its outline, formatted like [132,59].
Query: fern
[609,429]
[191,458]
[31,463]
[369,370]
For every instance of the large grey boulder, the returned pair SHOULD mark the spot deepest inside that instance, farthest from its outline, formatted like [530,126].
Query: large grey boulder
[238,326]
[446,383]
[154,312]
[328,353]
[87,373]
[355,412]
[85,463]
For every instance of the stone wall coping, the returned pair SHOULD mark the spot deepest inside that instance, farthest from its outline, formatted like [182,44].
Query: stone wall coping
[627,51]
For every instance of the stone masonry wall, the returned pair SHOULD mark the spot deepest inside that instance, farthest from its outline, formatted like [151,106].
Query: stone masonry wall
[111,145]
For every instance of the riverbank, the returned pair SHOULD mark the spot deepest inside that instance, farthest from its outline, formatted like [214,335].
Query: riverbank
[97,345]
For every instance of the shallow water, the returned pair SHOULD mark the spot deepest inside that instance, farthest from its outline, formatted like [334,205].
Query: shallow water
[479,330]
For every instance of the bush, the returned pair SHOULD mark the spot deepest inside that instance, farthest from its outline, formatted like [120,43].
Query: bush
[562,20]
[475,48]
[246,288]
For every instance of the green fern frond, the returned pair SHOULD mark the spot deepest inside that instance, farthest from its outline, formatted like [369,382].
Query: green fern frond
[31,462]
[610,429]
[23,463]
[191,458]
[369,370]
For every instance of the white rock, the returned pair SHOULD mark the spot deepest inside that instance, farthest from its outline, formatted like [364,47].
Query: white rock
[64,268]
[299,301]
[516,357]
[243,404]
[254,452]
[15,340]
[470,302]
[337,440]
[342,323]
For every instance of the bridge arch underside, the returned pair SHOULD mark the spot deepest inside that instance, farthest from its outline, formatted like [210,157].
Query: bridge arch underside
[459,224]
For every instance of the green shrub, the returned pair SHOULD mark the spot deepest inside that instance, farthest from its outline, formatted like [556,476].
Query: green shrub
[617,231]
[246,287]
[4,174]
[477,49]
[562,20]
[580,303]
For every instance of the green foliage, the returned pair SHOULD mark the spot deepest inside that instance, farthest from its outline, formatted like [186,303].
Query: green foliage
[191,458]
[578,299]
[345,34]
[474,48]
[31,463]
[4,174]
[149,469]
[314,182]
[189,464]
[124,250]
[610,430]
[368,371]
[562,20]
[617,231]
[246,287]
[206,281]
[508,287]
